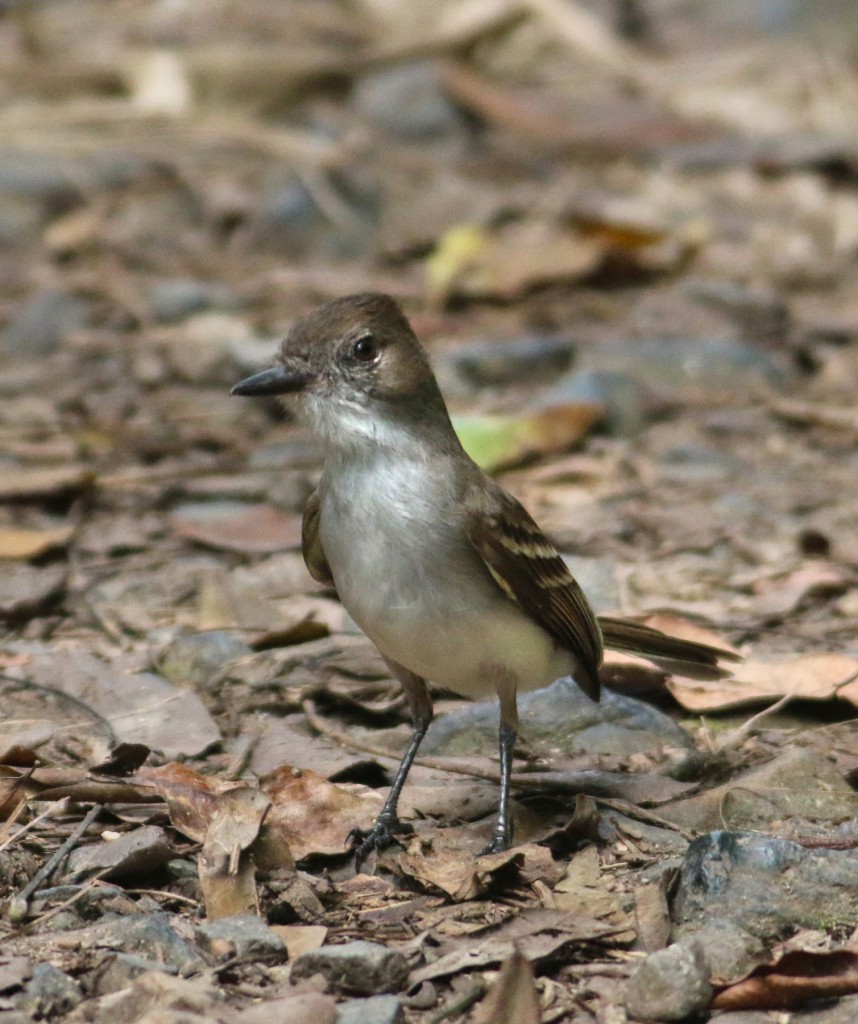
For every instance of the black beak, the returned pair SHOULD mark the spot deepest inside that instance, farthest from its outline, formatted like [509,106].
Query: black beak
[276,381]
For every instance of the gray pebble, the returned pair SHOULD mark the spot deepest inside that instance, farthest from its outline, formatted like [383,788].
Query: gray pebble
[670,985]
[242,935]
[49,993]
[43,323]
[375,1010]
[360,968]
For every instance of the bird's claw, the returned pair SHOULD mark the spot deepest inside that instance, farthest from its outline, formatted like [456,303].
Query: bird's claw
[500,843]
[382,834]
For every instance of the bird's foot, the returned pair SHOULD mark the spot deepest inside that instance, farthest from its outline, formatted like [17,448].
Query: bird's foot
[382,834]
[501,840]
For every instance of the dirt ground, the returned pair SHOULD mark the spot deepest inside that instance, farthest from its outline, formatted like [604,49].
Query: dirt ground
[628,235]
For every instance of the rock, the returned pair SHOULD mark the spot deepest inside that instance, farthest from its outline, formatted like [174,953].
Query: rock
[670,985]
[288,217]
[145,935]
[624,400]
[198,999]
[178,299]
[27,591]
[242,935]
[559,717]
[511,361]
[672,366]
[117,972]
[375,1010]
[134,853]
[407,100]
[767,886]
[359,968]
[731,952]
[799,787]
[49,993]
[198,660]
[43,324]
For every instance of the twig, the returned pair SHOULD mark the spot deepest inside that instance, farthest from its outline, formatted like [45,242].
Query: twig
[54,807]
[18,905]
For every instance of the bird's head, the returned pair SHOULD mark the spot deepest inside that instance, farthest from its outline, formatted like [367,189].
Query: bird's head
[354,369]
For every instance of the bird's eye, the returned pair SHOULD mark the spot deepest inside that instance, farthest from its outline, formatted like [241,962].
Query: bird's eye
[365,349]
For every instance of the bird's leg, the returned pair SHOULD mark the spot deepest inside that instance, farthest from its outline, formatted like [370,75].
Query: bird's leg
[387,825]
[502,835]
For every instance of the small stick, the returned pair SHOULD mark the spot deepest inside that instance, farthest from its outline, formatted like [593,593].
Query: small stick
[19,904]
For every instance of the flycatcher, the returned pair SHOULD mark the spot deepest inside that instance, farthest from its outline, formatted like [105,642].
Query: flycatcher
[443,570]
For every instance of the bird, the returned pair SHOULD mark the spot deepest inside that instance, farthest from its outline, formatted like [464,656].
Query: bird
[445,571]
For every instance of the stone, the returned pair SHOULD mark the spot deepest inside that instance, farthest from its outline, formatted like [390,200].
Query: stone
[117,972]
[624,400]
[49,993]
[244,936]
[43,323]
[375,1010]
[177,299]
[198,660]
[767,886]
[670,985]
[357,968]
[133,853]
[502,361]
[148,935]
[731,952]
[800,787]
[407,100]
[561,718]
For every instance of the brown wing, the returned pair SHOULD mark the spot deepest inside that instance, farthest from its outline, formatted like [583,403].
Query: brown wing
[311,542]
[528,568]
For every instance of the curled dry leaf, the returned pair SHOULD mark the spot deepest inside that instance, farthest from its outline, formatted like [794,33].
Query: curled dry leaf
[513,998]
[808,677]
[26,544]
[798,977]
[227,872]
[313,815]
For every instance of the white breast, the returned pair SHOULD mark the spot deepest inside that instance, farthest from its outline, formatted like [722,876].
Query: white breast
[408,576]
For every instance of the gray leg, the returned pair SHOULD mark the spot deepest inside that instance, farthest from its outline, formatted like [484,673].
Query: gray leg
[387,825]
[502,837]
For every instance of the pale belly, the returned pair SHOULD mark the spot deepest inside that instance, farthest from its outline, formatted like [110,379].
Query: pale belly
[443,619]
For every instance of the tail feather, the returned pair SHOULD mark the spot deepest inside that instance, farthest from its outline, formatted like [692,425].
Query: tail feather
[680,657]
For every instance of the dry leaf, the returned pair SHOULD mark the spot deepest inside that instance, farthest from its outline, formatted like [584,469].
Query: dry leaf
[235,526]
[808,677]
[314,815]
[797,978]
[32,543]
[512,998]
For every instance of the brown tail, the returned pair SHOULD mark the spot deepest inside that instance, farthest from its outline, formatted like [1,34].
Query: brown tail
[681,657]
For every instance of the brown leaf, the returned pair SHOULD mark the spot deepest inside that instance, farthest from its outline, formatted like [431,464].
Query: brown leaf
[798,977]
[26,544]
[512,998]
[808,677]
[17,484]
[227,873]
[314,815]
[234,526]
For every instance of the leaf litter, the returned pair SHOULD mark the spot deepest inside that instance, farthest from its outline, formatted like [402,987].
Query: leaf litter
[169,212]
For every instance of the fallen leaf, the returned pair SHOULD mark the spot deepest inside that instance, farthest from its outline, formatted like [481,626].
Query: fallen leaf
[25,544]
[797,978]
[227,871]
[16,484]
[512,998]
[493,441]
[314,815]
[300,938]
[808,677]
[237,526]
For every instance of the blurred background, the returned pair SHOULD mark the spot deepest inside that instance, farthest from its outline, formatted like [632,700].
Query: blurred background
[627,231]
